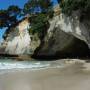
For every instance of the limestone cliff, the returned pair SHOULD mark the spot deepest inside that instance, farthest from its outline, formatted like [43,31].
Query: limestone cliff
[18,40]
[66,36]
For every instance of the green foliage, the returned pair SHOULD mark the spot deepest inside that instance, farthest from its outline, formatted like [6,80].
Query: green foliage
[9,16]
[39,11]
[3,18]
[58,1]
[39,19]
[68,6]
[42,5]
[13,10]
[38,22]
[39,25]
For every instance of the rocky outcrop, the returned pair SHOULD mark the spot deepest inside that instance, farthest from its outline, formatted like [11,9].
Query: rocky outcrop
[67,36]
[18,41]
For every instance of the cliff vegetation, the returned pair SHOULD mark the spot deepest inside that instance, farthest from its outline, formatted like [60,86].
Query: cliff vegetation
[38,11]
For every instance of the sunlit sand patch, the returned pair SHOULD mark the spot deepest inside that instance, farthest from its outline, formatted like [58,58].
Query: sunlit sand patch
[69,76]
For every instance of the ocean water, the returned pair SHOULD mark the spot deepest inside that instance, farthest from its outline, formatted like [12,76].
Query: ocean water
[42,75]
[32,65]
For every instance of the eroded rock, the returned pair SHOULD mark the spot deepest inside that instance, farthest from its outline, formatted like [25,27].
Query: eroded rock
[66,37]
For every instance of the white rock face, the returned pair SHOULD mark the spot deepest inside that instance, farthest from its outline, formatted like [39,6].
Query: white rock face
[74,27]
[18,40]
[62,35]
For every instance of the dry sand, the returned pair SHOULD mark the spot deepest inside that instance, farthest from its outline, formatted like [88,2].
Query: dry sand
[71,77]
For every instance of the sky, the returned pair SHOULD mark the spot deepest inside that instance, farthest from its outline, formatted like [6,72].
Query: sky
[5,3]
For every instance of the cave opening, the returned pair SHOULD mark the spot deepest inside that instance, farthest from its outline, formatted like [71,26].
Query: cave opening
[77,50]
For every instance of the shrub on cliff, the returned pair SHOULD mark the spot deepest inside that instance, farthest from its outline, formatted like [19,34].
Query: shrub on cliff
[68,6]
[38,10]
[39,24]
[9,16]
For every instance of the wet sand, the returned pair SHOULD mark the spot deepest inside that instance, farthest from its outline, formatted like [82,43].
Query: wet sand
[72,77]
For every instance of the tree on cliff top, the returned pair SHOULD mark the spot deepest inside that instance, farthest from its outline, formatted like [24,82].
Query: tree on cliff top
[33,6]
[68,6]
[11,15]
[40,11]
[58,1]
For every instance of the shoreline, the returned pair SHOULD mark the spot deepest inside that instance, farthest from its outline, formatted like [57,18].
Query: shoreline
[45,58]
[71,76]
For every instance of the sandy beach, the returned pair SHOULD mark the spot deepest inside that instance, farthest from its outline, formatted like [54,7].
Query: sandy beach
[71,77]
